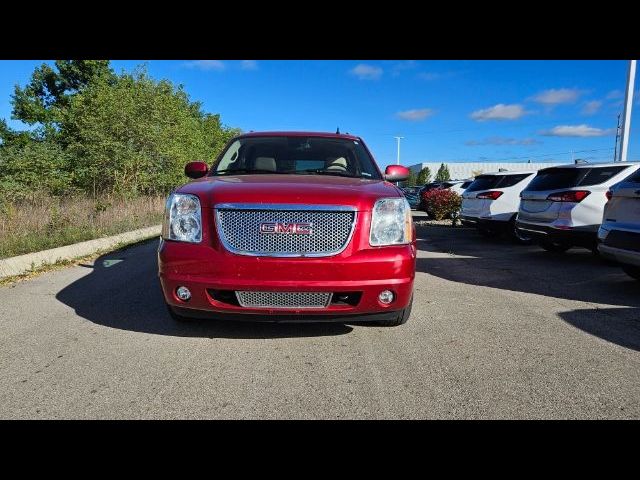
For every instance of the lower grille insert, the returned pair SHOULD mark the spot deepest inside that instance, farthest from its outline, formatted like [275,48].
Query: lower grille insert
[284,299]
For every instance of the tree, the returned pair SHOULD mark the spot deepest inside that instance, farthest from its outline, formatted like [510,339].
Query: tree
[424,176]
[43,100]
[133,135]
[443,173]
[412,180]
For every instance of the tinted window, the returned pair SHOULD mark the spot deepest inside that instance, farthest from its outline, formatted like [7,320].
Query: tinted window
[484,182]
[511,180]
[296,155]
[597,176]
[466,184]
[634,178]
[555,178]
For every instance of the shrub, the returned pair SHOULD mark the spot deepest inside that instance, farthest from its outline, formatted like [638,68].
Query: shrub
[441,203]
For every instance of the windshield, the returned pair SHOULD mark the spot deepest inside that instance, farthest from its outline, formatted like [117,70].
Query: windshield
[298,156]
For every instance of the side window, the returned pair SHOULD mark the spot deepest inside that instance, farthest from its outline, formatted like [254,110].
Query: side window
[230,156]
[511,180]
[635,178]
[597,176]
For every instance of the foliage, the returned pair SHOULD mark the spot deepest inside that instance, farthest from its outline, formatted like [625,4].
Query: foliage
[412,180]
[44,99]
[424,176]
[34,168]
[441,203]
[442,174]
[101,133]
[135,136]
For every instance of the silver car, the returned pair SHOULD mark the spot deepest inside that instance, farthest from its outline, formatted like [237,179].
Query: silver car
[562,207]
[619,234]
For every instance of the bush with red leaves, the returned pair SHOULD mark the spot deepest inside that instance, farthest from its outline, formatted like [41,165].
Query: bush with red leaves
[441,203]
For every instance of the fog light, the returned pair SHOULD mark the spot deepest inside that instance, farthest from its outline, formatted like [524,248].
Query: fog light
[183,293]
[386,297]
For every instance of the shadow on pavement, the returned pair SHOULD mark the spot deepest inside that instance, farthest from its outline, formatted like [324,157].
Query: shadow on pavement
[616,325]
[123,291]
[499,263]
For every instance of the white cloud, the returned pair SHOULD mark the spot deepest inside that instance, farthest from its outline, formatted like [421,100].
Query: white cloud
[592,107]
[499,112]
[577,131]
[249,65]
[366,72]
[206,64]
[403,65]
[415,115]
[557,96]
[614,95]
[503,141]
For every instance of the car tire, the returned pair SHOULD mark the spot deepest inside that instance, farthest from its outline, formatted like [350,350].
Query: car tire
[555,247]
[632,271]
[177,317]
[402,317]
[517,236]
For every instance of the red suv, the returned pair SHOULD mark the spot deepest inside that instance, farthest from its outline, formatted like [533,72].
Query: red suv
[289,226]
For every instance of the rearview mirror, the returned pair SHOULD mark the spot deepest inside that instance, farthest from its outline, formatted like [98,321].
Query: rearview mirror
[396,173]
[196,169]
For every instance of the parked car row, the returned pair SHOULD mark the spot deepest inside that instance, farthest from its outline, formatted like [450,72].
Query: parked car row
[594,206]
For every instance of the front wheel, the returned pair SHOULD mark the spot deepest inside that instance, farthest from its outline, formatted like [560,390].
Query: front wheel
[402,317]
[632,271]
[555,247]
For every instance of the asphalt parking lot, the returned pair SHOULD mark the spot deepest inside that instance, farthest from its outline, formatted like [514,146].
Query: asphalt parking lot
[497,331]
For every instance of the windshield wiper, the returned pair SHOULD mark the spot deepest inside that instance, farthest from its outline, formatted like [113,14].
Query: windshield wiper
[319,171]
[244,170]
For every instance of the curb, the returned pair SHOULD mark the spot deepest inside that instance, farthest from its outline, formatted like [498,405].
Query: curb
[26,263]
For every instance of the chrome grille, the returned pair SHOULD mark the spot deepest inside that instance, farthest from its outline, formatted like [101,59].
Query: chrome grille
[239,229]
[284,299]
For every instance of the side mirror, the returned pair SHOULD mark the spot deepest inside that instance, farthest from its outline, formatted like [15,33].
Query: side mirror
[196,169]
[396,173]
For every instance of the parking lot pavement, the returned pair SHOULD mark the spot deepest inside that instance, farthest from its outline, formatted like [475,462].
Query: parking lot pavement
[497,331]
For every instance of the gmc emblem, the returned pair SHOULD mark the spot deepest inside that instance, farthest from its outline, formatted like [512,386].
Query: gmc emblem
[292,228]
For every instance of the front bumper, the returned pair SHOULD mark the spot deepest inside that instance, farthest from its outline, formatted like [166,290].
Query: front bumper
[578,236]
[204,270]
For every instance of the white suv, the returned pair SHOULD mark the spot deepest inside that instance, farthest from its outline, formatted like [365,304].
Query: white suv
[562,206]
[458,186]
[619,234]
[490,203]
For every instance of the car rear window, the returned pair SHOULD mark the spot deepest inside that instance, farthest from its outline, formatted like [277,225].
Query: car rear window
[556,178]
[635,178]
[466,184]
[487,182]
[484,182]
[597,176]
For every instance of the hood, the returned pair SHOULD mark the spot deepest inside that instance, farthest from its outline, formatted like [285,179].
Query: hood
[290,189]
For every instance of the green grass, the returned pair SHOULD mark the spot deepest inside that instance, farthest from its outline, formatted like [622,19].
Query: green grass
[51,222]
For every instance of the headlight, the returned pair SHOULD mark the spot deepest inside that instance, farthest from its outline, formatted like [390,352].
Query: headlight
[390,222]
[182,218]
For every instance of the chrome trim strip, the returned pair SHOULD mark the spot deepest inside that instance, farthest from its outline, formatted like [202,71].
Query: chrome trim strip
[283,207]
[329,299]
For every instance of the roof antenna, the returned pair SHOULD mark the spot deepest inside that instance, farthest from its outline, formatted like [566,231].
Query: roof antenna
[338,131]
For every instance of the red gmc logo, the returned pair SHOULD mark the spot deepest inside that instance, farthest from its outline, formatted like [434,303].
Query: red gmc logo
[287,228]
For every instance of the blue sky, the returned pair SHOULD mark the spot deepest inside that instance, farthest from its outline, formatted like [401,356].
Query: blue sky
[445,110]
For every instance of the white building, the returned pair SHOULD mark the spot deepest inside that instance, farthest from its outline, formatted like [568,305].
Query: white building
[464,170]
